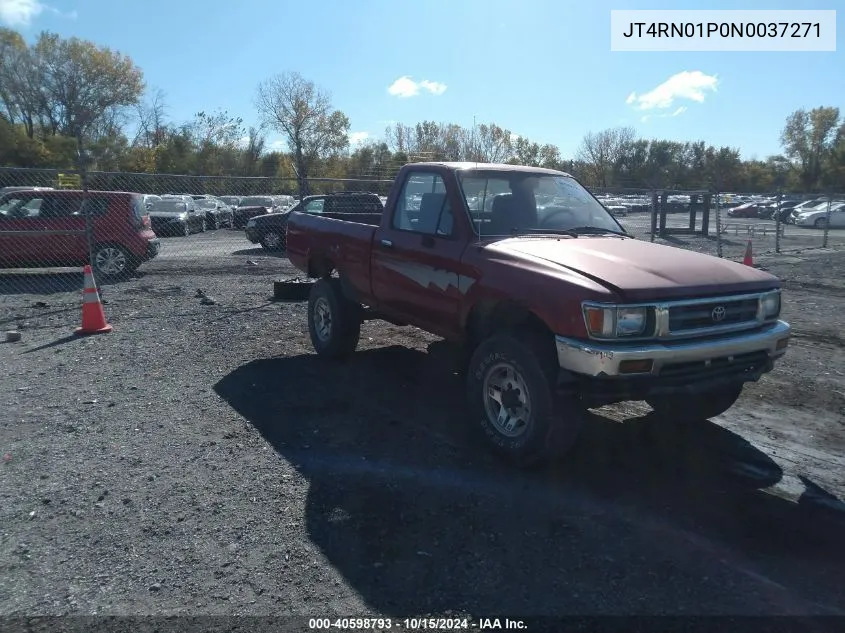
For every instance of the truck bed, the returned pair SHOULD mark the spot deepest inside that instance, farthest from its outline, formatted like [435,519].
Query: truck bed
[345,239]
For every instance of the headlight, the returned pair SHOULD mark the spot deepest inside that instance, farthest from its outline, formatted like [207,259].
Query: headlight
[250,224]
[770,305]
[613,321]
[183,216]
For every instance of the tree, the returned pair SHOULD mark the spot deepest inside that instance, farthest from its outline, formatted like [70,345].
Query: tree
[303,113]
[807,140]
[82,83]
[605,152]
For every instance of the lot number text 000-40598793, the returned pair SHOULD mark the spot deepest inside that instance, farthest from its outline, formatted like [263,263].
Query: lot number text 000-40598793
[729,30]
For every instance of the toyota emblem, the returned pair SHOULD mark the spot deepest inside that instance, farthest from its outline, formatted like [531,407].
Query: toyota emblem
[718,314]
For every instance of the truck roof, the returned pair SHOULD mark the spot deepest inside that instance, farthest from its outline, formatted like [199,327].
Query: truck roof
[457,165]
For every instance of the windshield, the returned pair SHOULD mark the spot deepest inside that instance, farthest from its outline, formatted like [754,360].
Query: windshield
[205,203]
[257,201]
[170,206]
[505,203]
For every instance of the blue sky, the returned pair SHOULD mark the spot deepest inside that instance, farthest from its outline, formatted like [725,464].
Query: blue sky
[541,68]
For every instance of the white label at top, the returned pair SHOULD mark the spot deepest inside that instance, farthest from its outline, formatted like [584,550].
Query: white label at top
[739,31]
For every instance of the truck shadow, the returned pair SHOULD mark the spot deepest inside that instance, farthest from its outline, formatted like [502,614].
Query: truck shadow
[418,518]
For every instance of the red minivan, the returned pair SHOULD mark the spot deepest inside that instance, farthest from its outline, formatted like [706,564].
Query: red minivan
[47,228]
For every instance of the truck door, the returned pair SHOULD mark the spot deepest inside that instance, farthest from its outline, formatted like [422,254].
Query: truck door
[416,261]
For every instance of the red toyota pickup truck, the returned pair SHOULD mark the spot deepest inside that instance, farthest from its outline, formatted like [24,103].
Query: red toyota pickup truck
[556,307]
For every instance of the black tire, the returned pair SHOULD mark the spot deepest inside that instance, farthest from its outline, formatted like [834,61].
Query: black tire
[212,224]
[111,261]
[552,423]
[292,290]
[696,407]
[334,322]
[273,241]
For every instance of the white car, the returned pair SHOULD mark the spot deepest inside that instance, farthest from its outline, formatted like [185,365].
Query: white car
[817,216]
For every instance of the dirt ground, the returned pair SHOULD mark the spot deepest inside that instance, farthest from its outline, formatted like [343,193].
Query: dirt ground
[201,460]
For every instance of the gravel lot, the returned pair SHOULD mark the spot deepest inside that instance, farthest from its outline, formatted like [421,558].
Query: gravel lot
[201,460]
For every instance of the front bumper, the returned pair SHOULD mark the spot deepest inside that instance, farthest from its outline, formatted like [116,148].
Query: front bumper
[153,248]
[253,235]
[609,372]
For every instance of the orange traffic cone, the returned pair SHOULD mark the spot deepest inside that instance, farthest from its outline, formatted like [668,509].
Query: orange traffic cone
[748,260]
[93,316]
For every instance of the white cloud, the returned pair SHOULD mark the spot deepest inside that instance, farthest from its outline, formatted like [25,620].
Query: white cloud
[278,145]
[406,87]
[356,138]
[22,12]
[678,111]
[686,85]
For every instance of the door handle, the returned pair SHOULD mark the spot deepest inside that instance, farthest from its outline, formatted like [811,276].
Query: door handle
[387,243]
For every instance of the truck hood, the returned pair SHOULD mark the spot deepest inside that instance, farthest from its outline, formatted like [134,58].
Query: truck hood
[640,271]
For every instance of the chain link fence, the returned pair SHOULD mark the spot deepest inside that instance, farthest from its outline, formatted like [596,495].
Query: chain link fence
[164,228]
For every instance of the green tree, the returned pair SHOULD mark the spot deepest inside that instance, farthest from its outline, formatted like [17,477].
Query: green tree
[83,84]
[807,140]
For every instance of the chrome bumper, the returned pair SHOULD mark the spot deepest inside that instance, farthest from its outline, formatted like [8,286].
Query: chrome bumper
[592,359]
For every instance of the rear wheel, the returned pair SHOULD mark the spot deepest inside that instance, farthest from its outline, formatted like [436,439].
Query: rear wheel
[334,322]
[512,398]
[696,407]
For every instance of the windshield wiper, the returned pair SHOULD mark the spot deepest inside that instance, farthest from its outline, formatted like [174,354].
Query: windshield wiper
[595,230]
[568,232]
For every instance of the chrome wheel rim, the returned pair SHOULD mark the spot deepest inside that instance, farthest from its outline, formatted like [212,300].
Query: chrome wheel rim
[273,240]
[507,400]
[110,260]
[322,319]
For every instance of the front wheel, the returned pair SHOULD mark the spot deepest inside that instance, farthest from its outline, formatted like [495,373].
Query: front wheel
[511,397]
[334,322]
[273,241]
[703,406]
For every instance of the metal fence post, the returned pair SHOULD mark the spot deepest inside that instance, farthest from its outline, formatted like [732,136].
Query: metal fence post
[653,228]
[777,222]
[827,220]
[83,161]
[718,223]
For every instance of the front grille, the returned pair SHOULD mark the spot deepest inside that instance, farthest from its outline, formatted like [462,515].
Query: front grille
[698,316]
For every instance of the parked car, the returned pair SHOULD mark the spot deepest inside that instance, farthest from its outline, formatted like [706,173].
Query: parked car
[252,206]
[817,216]
[801,207]
[748,210]
[270,230]
[232,201]
[217,213]
[48,228]
[173,215]
[555,311]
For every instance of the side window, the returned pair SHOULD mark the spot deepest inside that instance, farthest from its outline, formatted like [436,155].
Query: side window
[314,206]
[96,206]
[23,207]
[423,206]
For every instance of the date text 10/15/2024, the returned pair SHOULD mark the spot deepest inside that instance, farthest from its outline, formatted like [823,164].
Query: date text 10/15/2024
[416,624]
